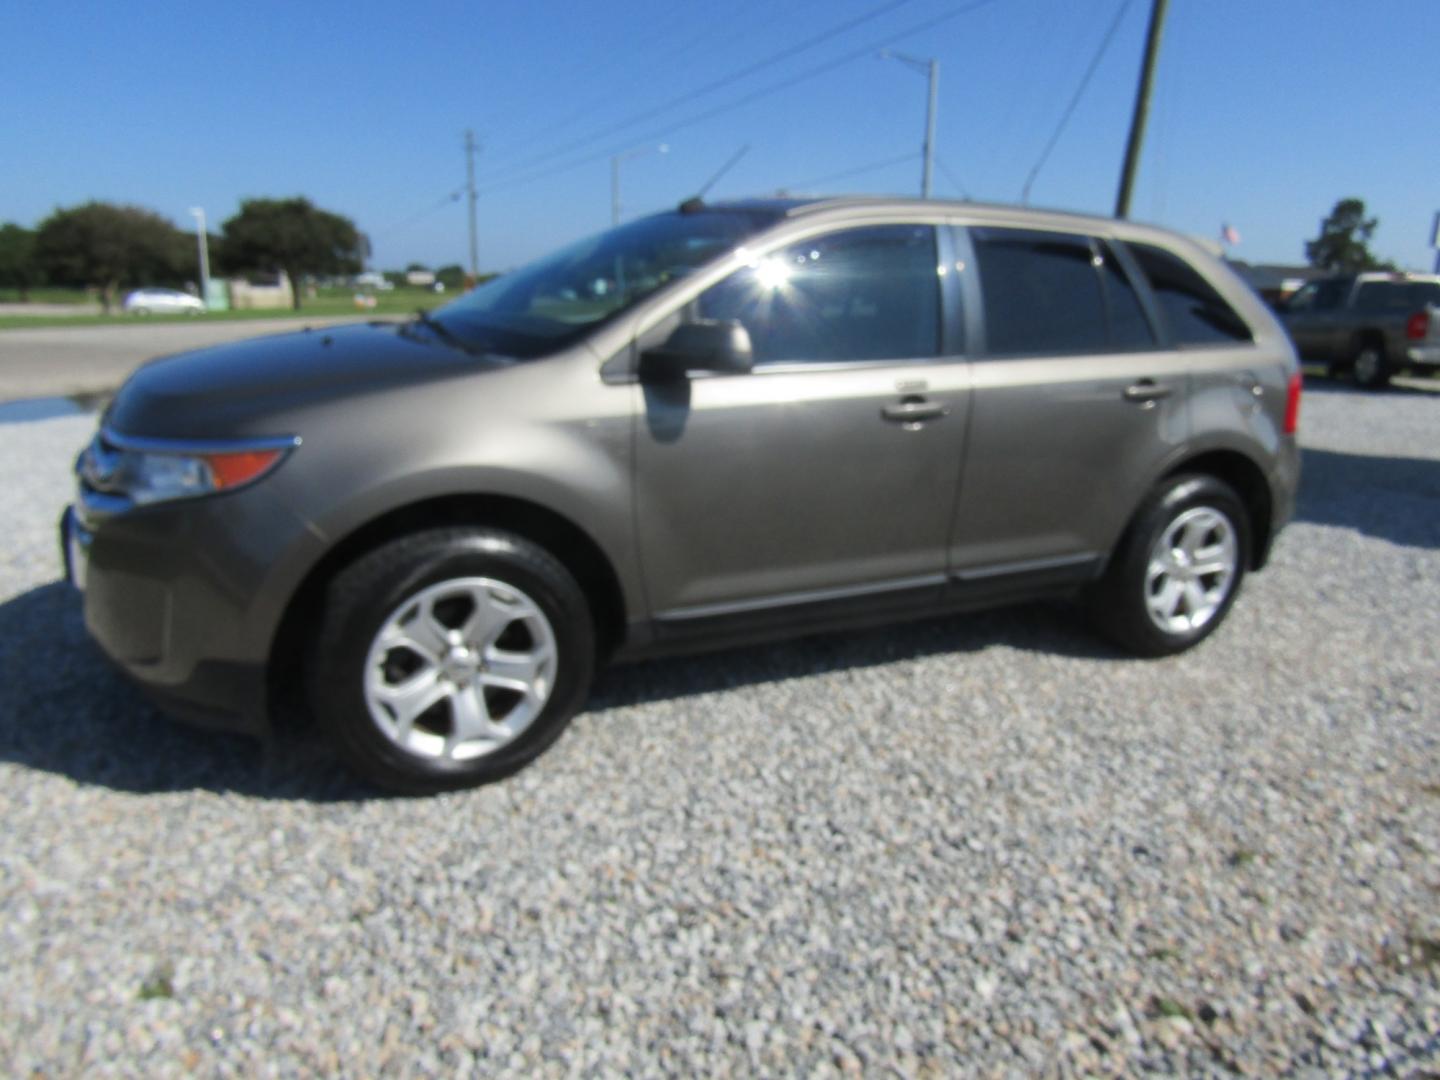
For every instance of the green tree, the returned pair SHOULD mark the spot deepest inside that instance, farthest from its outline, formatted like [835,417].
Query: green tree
[1344,241]
[18,269]
[292,235]
[104,245]
[452,276]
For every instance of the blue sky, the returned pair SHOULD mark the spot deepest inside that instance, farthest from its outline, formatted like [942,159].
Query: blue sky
[1265,111]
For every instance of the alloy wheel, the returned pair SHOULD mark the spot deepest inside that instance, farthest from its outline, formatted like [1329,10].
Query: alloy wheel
[1191,570]
[460,669]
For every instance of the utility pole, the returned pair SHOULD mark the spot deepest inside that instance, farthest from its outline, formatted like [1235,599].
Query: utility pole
[470,149]
[930,69]
[1142,108]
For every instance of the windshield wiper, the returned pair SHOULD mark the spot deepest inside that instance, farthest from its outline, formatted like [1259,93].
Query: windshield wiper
[443,332]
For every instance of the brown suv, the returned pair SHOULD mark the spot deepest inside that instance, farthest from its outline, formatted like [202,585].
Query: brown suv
[713,425]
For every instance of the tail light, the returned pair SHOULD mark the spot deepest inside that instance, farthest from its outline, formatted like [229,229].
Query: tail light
[1418,325]
[1292,404]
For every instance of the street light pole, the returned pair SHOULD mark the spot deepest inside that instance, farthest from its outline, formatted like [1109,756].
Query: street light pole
[204,241]
[615,160]
[470,189]
[930,128]
[614,190]
[931,70]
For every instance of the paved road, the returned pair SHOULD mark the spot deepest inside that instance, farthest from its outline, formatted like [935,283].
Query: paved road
[61,361]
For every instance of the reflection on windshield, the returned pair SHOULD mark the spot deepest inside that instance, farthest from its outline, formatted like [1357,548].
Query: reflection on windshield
[553,302]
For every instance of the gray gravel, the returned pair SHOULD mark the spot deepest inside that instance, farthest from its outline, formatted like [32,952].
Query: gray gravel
[984,845]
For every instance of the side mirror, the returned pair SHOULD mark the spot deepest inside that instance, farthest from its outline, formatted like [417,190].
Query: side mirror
[705,345]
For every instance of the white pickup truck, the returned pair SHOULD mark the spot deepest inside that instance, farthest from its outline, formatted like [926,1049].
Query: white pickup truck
[1371,325]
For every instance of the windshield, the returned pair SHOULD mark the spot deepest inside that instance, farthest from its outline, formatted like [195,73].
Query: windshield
[551,303]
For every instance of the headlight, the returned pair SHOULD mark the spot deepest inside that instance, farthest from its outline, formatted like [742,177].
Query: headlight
[153,470]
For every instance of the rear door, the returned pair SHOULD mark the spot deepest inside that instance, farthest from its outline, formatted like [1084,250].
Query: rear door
[1076,402]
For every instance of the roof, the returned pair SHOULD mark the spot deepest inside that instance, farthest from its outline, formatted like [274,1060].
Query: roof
[799,206]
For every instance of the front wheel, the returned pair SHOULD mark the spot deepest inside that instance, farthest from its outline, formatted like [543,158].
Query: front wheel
[450,658]
[1177,570]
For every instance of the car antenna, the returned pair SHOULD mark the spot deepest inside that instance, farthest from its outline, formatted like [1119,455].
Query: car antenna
[696,202]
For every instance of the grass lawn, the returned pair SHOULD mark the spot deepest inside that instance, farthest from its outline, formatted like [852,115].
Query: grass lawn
[329,303]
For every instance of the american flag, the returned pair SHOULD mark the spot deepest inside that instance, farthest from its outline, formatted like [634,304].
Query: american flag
[1229,234]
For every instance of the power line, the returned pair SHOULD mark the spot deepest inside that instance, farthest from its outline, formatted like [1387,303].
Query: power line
[750,30]
[396,226]
[745,99]
[954,180]
[715,84]
[1075,99]
[873,166]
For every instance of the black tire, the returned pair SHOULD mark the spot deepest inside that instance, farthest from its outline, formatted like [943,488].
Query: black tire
[1370,367]
[368,592]
[1120,603]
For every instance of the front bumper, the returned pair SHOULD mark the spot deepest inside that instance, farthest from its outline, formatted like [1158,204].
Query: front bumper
[181,597]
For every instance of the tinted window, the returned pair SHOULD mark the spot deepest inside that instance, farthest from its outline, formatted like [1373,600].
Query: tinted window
[1395,297]
[1420,293]
[1193,310]
[1042,294]
[1129,328]
[861,294]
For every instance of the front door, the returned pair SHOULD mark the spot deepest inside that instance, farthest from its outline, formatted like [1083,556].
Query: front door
[828,473]
[1315,320]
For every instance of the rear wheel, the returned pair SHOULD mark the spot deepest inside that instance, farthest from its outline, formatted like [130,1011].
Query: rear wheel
[450,658]
[1177,570]
[1371,367]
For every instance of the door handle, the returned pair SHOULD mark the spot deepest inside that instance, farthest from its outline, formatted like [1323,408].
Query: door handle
[913,410]
[1147,392]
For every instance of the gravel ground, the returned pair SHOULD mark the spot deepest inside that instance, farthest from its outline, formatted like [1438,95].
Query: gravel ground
[985,845]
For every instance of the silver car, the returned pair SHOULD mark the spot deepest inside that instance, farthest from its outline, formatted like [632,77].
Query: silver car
[162,302]
[720,424]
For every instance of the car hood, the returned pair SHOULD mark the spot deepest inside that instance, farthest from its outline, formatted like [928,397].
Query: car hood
[240,388]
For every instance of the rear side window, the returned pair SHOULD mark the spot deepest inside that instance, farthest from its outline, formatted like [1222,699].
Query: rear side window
[1129,328]
[1192,309]
[1054,293]
[1395,297]
[1041,291]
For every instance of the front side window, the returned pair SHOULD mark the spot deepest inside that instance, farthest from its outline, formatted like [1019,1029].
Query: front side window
[860,294]
[1194,312]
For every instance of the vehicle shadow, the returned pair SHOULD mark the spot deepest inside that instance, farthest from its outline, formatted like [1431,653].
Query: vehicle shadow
[1391,498]
[1043,627]
[65,710]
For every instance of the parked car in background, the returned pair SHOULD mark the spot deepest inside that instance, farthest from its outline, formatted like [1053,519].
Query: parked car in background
[162,302]
[1372,325]
[716,425]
